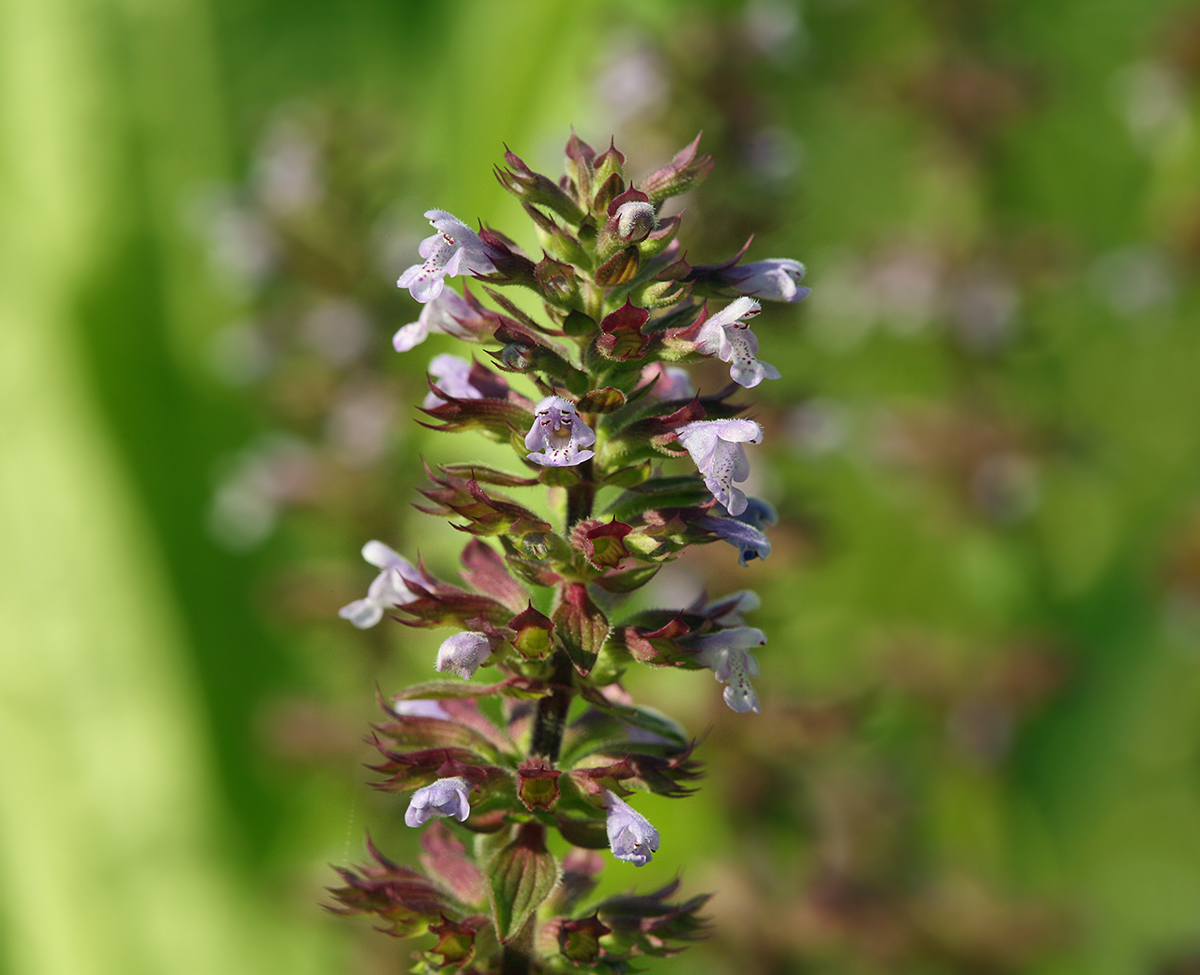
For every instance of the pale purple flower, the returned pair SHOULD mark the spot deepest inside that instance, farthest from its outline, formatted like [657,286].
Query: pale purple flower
[725,654]
[421,708]
[775,279]
[455,249]
[745,531]
[670,382]
[630,835]
[727,611]
[558,434]
[443,313]
[463,653]
[452,375]
[388,589]
[716,447]
[445,797]
[727,336]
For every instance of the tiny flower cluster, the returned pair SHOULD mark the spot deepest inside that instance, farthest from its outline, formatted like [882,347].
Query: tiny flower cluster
[538,610]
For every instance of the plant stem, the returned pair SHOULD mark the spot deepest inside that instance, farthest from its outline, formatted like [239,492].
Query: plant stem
[515,957]
[581,495]
[550,717]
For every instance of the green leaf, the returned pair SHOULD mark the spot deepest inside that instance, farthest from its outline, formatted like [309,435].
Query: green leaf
[518,687]
[489,475]
[648,719]
[579,325]
[520,877]
[629,476]
[629,580]
[606,400]
[580,627]
[660,492]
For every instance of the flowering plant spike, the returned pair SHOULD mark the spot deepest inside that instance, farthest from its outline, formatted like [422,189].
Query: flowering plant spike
[608,405]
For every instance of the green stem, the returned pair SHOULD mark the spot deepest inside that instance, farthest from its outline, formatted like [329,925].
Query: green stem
[581,496]
[550,716]
[515,958]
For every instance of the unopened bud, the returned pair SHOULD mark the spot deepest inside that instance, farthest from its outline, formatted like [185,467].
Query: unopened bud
[635,221]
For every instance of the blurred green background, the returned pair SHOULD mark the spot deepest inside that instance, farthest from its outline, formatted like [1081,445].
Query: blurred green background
[980,742]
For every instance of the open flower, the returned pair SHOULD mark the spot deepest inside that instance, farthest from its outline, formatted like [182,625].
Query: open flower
[558,434]
[745,531]
[455,249]
[445,313]
[463,653]
[445,797]
[452,375]
[775,279]
[725,654]
[630,835]
[716,447]
[727,336]
[388,589]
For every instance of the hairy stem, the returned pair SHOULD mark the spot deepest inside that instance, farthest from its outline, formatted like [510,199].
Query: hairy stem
[550,717]
[515,959]
[581,495]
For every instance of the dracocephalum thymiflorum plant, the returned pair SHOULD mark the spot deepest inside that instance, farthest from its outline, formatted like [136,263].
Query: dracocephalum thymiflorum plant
[550,740]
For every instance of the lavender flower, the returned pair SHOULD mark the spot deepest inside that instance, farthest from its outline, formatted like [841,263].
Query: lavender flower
[716,447]
[775,279]
[669,382]
[388,589]
[453,376]
[558,434]
[630,835]
[724,653]
[727,336]
[445,797]
[745,531]
[420,708]
[443,313]
[455,249]
[726,612]
[463,653]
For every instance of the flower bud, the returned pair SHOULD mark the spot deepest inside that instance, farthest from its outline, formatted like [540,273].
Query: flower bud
[630,835]
[445,797]
[463,653]
[635,221]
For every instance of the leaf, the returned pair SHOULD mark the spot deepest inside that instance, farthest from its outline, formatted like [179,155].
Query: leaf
[580,627]
[648,719]
[660,492]
[443,856]
[518,687]
[520,877]
[484,570]
[488,475]
[629,580]
[605,400]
